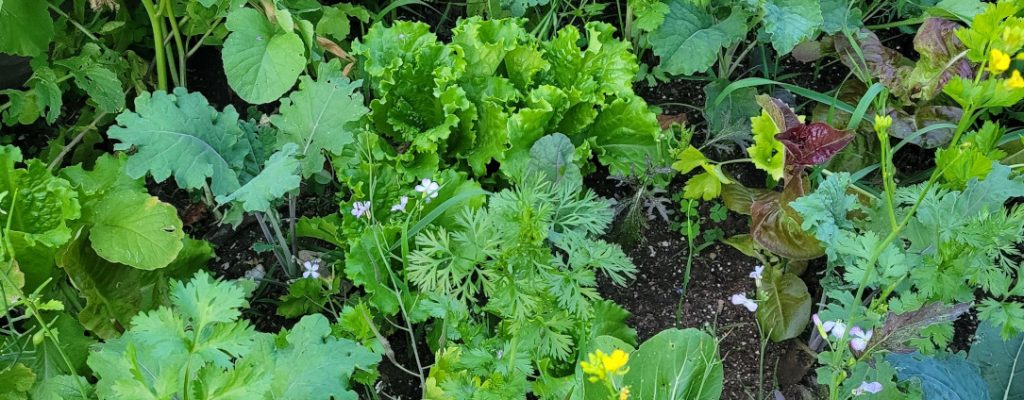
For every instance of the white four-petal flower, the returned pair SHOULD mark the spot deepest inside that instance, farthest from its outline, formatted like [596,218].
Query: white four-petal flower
[741,299]
[428,188]
[758,270]
[860,338]
[400,207]
[311,269]
[867,387]
[361,208]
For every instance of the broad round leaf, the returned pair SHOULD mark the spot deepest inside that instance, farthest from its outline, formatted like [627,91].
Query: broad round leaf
[260,62]
[136,229]
[675,365]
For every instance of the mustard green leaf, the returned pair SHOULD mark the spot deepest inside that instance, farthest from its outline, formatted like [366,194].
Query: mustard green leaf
[767,153]
[690,38]
[318,118]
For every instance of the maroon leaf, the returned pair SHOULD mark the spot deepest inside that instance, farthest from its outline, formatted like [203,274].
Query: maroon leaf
[813,144]
[885,64]
[776,227]
[901,328]
[780,113]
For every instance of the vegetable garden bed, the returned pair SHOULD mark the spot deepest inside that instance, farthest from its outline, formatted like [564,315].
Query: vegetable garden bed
[510,199]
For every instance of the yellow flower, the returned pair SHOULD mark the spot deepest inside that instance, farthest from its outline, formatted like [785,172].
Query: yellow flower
[624,393]
[1015,81]
[882,123]
[615,362]
[599,366]
[998,61]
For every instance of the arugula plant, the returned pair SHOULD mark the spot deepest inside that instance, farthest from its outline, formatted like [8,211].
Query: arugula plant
[494,90]
[198,348]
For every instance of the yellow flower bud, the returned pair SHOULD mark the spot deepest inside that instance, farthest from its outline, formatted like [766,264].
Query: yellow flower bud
[1015,81]
[882,123]
[998,61]
[624,393]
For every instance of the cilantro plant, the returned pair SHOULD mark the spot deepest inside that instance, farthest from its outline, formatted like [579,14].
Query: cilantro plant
[198,348]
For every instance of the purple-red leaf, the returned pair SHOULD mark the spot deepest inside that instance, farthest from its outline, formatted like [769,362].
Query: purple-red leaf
[776,227]
[813,144]
[901,328]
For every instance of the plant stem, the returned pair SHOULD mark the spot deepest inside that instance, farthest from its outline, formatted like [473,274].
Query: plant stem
[275,222]
[270,239]
[77,25]
[897,24]
[158,43]
[74,142]
[292,205]
[178,43]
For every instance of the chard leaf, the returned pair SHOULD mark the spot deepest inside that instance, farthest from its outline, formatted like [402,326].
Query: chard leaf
[784,304]
[319,117]
[790,22]
[813,144]
[26,27]
[180,134]
[690,38]
[261,62]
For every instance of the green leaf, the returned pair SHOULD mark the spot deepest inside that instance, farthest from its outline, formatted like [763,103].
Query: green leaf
[63,387]
[784,304]
[279,176]
[135,229]
[838,15]
[26,28]
[554,157]
[706,185]
[625,136]
[112,292]
[44,98]
[485,43]
[15,382]
[790,22]
[945,378]
[261,62]
[310,363]
[205,300]
[181,134]
[999,360]
[319,117]
[690,38]
[96,79]
[676,365]
[768,153]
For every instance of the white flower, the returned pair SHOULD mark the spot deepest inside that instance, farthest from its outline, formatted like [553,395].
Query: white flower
[860,338]
[836,328]
[757,272]
[257,273]
[400,207]
[361,208]
[741,299]
[867,387]
[428,188]
[311,268]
